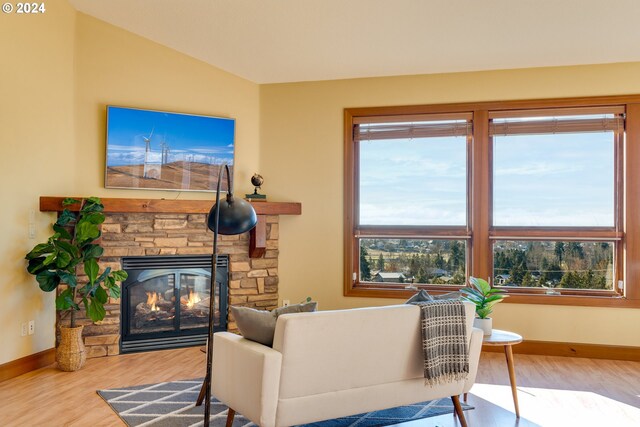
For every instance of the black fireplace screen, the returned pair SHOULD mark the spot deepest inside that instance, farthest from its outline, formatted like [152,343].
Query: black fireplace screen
[165,301]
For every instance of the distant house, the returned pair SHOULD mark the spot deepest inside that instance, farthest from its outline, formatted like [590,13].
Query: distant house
[389,277]
[503,279]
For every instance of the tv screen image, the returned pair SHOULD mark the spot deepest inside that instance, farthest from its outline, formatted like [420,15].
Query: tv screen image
[160,150]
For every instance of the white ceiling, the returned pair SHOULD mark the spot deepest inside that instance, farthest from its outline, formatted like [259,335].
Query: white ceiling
[272,41]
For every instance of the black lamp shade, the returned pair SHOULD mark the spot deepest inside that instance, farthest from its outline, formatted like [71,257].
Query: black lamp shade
[236,217]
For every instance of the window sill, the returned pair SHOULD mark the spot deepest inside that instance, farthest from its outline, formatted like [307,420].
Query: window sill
[399,292]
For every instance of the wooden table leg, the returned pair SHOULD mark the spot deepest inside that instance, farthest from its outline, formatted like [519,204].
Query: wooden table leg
[512,377]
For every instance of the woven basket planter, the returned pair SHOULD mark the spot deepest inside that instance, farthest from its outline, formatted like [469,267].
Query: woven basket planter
[71,353]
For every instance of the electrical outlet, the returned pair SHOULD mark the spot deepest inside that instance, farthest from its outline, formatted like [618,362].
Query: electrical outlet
[23,329]
[285,302]
[32,327]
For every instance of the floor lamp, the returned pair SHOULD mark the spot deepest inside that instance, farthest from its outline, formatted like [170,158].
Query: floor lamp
[232,216]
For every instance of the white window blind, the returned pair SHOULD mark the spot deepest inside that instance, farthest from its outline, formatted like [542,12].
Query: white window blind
[572,120]
[418,126]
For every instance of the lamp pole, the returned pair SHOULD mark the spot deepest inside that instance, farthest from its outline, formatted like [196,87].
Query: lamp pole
[238,216]
[212,293]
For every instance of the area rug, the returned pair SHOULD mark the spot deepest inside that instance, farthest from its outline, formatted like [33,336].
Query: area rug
[172,405]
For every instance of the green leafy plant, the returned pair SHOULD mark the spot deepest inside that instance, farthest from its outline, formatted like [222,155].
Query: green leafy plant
[483,296]
[70,249]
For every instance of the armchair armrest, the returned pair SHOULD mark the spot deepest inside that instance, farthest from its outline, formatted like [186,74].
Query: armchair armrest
[246,377]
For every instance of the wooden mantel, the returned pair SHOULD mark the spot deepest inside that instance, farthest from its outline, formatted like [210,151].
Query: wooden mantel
[258,236]
[54,204]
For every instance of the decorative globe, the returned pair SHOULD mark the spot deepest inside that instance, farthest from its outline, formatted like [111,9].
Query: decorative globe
[257,180]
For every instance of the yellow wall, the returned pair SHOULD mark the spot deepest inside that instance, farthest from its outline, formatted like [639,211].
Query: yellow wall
[301,160]
[65,68]
[115,67]
[36,136]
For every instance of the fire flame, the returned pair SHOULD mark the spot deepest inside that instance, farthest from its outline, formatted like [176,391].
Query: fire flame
[193,299]
[152,299]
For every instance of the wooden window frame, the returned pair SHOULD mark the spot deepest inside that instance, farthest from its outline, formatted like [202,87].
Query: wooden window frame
[479,232]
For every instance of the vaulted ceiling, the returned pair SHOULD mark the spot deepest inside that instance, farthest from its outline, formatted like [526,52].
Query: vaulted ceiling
[272,41]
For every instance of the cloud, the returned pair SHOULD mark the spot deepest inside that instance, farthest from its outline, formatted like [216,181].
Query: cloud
[126,148]
[539,168]
[414,214]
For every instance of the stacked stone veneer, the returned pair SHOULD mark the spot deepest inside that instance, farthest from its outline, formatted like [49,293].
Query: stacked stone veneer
[253,282]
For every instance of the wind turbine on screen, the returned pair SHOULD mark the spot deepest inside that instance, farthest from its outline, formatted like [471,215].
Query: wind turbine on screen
[147,141]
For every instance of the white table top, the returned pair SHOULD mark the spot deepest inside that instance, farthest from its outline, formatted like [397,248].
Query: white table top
[499,337]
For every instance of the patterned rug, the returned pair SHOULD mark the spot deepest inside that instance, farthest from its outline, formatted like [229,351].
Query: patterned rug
[172,405]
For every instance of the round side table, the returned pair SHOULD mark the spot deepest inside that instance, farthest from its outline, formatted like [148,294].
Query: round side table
[506,339]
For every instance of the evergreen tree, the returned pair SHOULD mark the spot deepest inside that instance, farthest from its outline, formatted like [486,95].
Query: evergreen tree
[380,264]
[517,274]
[590,280]
[527,280]
[414,265]
[422,276]
[365,267]
[576,250]
[544,279]
[457,255]
[559,251]
[554,274]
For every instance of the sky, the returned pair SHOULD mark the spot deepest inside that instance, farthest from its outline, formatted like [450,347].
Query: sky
[550,180]
[201,139]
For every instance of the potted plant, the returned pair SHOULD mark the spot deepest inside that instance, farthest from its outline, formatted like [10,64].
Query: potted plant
[484,297]
[69,252]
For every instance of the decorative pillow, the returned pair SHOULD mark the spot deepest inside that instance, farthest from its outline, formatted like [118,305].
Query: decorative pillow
[255,325]
[260,325]
[306,307]
[424,296]
[421,296]
[450,295]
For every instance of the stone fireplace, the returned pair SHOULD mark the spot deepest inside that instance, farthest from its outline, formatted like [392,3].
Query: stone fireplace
[127,232]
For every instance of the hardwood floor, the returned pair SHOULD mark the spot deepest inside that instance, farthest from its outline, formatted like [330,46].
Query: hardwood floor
[553,391]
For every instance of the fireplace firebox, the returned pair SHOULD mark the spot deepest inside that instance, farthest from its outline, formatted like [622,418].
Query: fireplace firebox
[165,301]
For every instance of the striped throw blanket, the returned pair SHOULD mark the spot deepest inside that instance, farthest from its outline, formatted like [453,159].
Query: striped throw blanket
[444,341]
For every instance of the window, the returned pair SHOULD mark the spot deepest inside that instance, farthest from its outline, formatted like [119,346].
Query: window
[412,181]
[536,195]
[413,261]
[555,171]
[555,177]
[554,265]
[414,176]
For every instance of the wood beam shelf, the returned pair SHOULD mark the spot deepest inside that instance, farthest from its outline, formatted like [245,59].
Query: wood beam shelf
[54,204]
[257,236]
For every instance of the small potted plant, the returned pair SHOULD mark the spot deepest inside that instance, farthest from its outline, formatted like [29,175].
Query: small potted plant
[69,252]
[484,297]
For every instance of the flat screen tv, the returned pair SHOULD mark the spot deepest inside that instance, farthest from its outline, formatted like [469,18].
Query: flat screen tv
[159,150]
